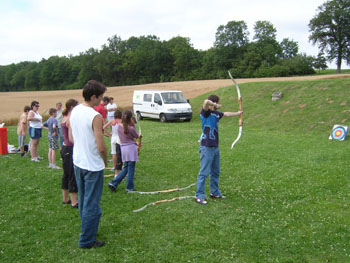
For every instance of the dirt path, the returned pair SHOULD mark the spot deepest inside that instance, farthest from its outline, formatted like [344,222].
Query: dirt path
[12,103]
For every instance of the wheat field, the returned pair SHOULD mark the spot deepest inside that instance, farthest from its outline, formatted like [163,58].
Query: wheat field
[12,103]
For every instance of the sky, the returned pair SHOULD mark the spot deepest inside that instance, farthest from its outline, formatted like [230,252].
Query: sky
[31,30]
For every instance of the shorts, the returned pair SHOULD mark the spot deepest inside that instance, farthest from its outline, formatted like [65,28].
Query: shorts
[53,143]
[113,148]
[35,133]
[21,140]
[119,164]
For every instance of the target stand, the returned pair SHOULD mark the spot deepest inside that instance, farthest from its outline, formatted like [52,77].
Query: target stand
[339,132]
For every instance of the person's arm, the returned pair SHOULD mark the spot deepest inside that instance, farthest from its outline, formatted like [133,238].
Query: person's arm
[70,134]
[107,124]
[232,114]
[208,103]
[97,125]
[55,132]
[31,117]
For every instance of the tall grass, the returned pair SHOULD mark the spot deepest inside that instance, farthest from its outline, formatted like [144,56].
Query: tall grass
[287,188]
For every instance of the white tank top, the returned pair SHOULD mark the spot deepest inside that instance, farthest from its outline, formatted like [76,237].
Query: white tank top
[85,152]
[115,136]
[36,124]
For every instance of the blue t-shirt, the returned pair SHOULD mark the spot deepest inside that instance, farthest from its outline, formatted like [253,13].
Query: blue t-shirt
[49,124]
[210,129]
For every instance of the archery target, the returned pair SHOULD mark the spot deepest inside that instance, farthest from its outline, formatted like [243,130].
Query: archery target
[339,132]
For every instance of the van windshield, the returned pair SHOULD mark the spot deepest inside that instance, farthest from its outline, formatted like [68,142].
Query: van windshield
[173,97]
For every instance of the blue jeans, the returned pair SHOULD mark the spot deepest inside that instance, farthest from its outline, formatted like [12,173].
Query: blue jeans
[90,186]
[210,165]
[128,170]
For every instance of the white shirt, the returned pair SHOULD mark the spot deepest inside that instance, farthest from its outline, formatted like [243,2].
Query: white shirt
[85,152]
[115,136]
[111,106]
[36,124]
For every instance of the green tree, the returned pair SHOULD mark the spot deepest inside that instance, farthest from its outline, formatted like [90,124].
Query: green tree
[267,45]
[330,29]
[320,62]
[289,47]
[184,58]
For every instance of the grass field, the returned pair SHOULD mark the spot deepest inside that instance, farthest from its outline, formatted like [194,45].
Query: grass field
[287,186]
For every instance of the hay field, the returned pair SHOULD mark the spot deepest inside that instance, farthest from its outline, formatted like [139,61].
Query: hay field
[12,103]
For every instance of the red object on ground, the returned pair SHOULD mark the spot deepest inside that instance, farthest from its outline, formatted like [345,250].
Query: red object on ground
[3,141]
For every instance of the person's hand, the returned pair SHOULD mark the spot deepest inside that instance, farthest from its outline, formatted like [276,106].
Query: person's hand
[217,106]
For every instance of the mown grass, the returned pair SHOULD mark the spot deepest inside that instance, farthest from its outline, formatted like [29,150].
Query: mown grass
[287,186]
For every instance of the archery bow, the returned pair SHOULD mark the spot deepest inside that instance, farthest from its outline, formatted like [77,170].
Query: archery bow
[240,124]
[140,139]
[163,201]
[162,191]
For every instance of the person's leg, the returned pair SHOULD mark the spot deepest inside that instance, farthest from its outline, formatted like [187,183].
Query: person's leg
[34,148]
[49,157]
[90,186]
[205,163]
[130,178]
[65,179]
[91,210]
[65,197]
[53,157]
[119,178]
[214,175]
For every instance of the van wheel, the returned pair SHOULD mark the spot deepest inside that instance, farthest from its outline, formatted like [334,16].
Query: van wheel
[162,118]
[138,116]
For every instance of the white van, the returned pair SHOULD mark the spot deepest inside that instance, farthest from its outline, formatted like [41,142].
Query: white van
[165,105]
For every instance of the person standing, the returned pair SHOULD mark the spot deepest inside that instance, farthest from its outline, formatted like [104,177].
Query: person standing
[69,184]
[127,135]
[111,108]
[209,149]
[100,108]
[89,159]
[52,124]
[59,119]
[22,127]
[35,128]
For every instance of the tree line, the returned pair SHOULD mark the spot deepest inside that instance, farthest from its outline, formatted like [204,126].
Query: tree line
[147,59]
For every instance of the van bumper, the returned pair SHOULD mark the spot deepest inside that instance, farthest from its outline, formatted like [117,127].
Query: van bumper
[178,116]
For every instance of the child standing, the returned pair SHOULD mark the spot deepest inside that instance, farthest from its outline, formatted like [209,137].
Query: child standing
[22,128]
[209,149]
[52,125]
[115,141]
[127,135]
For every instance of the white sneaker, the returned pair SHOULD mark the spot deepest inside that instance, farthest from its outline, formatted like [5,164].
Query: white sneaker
[39,158]
[35,160]
[56,167]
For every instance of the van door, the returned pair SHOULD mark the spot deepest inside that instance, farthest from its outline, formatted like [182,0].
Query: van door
[147,105]
[158,104]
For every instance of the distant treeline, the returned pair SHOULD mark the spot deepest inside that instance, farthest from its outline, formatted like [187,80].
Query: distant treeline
[147,59]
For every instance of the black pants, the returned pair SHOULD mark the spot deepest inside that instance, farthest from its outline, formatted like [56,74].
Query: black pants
[68,179]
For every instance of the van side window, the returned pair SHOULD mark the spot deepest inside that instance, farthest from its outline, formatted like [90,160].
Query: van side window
[147,97]
[157,98]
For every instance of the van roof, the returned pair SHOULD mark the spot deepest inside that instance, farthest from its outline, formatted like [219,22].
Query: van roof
[160,91]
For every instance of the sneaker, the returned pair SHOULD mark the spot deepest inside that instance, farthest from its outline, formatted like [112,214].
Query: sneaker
[23,154]
[56,167]
[96,244]
[217,196]
[35,160]
[39,158]
[201,201]
[111,187]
